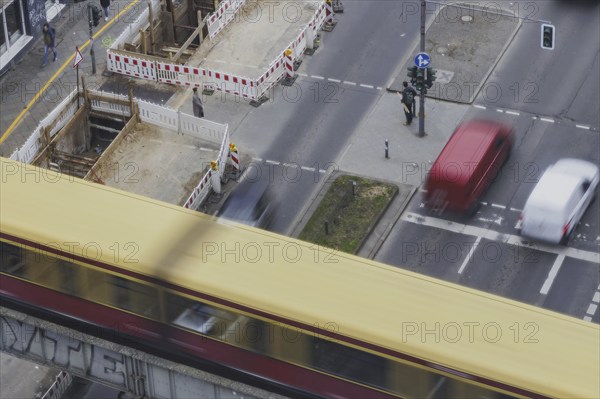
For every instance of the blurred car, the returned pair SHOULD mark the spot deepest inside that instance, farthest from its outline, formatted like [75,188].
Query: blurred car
[559,200]
[467,165]
[250,203]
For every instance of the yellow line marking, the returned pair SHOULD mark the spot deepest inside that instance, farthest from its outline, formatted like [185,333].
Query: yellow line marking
[63,66]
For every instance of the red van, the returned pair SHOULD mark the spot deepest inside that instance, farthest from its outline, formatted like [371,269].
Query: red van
[469,162]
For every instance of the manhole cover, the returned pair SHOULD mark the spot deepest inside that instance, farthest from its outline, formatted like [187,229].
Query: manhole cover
[442,50]
[466,18]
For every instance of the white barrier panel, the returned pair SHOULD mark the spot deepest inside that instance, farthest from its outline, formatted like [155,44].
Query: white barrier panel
[158,115]
[131,66]
[200,192]
[271,76]
[109,106]
[175,74]
[224,14]
[201,128]
[319,18]
[299,45]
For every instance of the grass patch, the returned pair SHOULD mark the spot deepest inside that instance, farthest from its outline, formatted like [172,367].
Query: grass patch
[349,217]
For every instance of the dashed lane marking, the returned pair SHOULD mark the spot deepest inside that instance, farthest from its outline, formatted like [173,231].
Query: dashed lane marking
[317,77]
[513,113]
[349,83]
[479,106]
[496,236]
[469,256]
[498,206]
[552,274]
[583,127]
[547,120]
[367,86]
[334,80]
[593,307]
[289,165]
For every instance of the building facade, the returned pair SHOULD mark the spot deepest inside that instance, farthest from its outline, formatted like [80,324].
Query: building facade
[21,22]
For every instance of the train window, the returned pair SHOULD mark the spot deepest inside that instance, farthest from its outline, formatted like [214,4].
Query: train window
[135,297]
[349,363]
[198,316]
[12,259]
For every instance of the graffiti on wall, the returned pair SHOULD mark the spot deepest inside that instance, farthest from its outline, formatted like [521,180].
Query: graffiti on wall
[48,347]
[36,15]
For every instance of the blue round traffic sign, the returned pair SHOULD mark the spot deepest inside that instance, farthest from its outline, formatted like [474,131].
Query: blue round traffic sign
[422,60]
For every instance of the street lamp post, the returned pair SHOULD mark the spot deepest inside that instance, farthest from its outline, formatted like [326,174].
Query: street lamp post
[422,94]
[93,56]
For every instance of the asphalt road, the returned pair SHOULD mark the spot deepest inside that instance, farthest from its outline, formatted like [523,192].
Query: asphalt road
[308,125]
[560,83]
[550,95]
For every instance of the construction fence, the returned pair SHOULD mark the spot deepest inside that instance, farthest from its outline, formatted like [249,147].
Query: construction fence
[157,69]
[167,118]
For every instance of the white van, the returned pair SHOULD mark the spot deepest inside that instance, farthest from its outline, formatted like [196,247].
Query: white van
[559,200]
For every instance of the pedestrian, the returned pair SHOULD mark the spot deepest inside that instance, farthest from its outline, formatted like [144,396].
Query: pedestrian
[197,104]
[105,4]
[408,102]
[49,42]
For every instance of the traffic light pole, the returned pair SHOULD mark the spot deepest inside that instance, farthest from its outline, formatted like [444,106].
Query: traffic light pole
[93,56]
[421,94]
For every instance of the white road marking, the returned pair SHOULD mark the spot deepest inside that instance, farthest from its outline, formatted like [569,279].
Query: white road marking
[498,206]
[513,113]
[479,106]
[552,274]
[367,86]
[516,210]
[587,318]
[349,83]
[307,168]
[592,309]
[583,127]
[290,165]
[257,159]
[596,297]
[492,235]
[519,224]
[322,171]
[334,80]
[499,110]
[547,120]
[469,255]
[272,162]
[301,74]
[484,203]
[379,88]
[318,77]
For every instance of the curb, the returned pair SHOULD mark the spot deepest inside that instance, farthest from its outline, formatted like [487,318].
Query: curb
[371,252]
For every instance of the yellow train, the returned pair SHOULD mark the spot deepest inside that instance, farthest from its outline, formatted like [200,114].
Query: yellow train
[293,316]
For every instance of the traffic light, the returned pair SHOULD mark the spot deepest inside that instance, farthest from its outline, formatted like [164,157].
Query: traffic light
[430,77]
[96,14]
[420,81]
[547,36]
[412,74]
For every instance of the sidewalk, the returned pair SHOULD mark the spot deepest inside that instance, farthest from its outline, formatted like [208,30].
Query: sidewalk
[20,86]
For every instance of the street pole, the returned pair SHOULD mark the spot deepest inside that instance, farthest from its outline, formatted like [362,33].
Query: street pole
[421,94]
[91,40]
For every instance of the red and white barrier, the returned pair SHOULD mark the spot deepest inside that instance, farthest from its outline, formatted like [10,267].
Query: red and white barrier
[131,65]
[252,89]
[224,14]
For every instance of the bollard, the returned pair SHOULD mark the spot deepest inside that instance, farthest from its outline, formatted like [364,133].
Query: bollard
[235,160]
[353,188]
[326,227]
[387,147]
